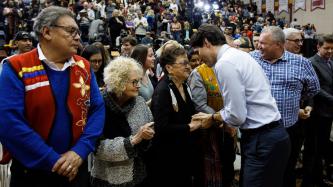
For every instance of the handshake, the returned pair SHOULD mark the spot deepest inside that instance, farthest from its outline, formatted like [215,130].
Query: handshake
[204,121]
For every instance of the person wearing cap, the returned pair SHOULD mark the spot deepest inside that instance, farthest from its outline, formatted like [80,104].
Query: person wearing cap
[54,114]
[23,42]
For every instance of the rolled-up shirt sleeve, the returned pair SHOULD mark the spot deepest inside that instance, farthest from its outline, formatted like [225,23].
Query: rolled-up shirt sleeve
[231,85]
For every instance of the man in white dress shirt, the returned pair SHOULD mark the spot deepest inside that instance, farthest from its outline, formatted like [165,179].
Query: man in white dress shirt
[249,105]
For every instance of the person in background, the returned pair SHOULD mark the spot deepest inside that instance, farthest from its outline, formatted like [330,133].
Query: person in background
[145,56]
[105,52]
[51,120]
[128,43]
[195,59]
[318,149]
[176,28]
[147,40]
[169,43]
[217,141]
[141,26]
[95,56]
[23,42]
[116,24]
[294,40]
[128,129]
[255,41]
[173,159]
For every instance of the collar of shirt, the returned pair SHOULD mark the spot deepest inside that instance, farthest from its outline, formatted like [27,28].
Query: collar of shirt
[52,65]
[222,50]
[325,59]
[283,58]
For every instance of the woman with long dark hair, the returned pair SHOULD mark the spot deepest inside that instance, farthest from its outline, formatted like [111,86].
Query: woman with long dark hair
[144,55]
[95,56]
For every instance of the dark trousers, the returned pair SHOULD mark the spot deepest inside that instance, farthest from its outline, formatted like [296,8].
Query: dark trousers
[265,153]
[317,148]
[228,156]
[21,176]
[296,136]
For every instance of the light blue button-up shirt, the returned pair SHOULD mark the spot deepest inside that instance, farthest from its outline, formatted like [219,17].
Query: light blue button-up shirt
[246,92]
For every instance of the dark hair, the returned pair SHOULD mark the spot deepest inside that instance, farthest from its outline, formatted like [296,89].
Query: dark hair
[129,39]
[192,52]
[105,52]
[328,38]
[140,53]
[169,56]
[210,32]
[89,51]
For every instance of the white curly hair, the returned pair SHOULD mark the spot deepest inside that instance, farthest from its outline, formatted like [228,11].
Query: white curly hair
[117,72]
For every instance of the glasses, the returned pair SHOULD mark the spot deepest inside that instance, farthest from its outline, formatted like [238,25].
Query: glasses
[296,40]
[184,63]
[136,82]
[73,31]
[96,61]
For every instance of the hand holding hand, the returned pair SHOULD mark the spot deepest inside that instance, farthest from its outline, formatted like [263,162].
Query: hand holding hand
[194,125]
[308,110]
[303,114]
[206,119]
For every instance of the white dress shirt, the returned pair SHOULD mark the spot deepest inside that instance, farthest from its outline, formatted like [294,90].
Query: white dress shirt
[245,89]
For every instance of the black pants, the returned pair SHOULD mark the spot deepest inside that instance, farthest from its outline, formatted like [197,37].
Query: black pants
[228,156]
[265,152]
[317,148]
[21,176]
[296,136]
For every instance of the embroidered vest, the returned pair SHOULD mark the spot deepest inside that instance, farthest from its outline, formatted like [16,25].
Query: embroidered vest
[214,98]
[39,100]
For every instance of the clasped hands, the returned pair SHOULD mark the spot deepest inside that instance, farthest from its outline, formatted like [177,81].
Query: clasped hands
[68,165]
[305,113]
[201,120]
[146,132]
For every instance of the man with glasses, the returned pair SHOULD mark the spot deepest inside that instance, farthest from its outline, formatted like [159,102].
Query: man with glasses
[294,40]
[54,113]
[292,77]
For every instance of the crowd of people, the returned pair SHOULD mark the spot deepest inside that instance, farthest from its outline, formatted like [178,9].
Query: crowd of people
[157,93]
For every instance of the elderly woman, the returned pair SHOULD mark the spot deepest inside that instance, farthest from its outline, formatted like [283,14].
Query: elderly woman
[172,160]
[146,58]
[118,160]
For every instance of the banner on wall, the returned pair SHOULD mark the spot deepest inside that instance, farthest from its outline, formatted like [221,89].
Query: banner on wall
[317,4]
[283,6]
[246,2]
[300,4]
[270,6]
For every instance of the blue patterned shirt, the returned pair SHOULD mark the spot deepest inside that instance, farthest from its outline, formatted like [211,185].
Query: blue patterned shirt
[292,78]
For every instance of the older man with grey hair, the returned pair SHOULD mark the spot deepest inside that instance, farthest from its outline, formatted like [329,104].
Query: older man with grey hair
[294,40]
[292,77]
[54,113]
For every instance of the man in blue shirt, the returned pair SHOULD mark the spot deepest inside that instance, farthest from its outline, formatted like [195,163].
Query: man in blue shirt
[54,113]
[292,78]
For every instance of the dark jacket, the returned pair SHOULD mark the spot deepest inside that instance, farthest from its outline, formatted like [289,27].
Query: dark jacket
[174,151]
[323,101]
